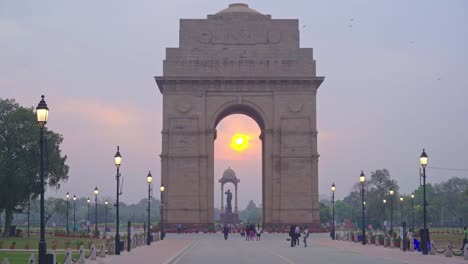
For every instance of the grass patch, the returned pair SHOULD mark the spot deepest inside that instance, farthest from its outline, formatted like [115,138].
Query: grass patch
[59,242]
[23,257]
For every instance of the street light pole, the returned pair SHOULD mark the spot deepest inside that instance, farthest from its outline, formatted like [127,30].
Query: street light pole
[391,210]
[412,211]
[149,179]
[68,197]
[118,162]
[105,225]
[42,115]
[88,223]
[384,211]
[74,216]
[333,189]
[161,211]
[423,159]
[362,179]
[401,209]
[96,233]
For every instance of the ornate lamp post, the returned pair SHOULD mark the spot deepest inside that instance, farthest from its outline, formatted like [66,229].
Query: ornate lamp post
[333,189]
[68,198]
[118,162]
[149,179]
[105,212]
[412,211]
[362,180]
[384,207]
[88,201]
[161,211]
[391,210]
[42,115]
[401,208]
[74,214]
[96,192]
[423,159]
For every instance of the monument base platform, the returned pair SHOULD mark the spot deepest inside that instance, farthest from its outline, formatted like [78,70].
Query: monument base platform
[230,218]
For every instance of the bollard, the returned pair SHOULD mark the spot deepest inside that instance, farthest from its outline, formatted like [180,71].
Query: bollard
[448,251]
[81,256]
[32,259]
[102,251]
[92,254]
[68,257]
[432,252]
[5,261]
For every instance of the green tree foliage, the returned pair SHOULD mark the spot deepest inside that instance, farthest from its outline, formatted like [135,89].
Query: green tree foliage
[325,214]
[19,158]
[251,214]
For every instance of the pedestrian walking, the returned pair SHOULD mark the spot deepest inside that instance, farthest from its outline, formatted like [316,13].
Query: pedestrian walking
[292,235]
[297,232]
[226,232]
[465,238]
[258,231]
[247,232]
[305,235]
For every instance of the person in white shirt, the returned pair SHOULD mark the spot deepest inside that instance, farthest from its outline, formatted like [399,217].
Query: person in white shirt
[258,231]
[297,231]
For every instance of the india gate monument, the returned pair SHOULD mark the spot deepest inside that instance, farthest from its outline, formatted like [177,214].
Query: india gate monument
[240,61]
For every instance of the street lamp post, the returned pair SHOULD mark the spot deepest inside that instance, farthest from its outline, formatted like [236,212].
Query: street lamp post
[391,210]
[88,201]
[96,192]
[362,180]
[149,179]
[161,211]
[384,211]
[42,115]
[423,159]
[74,214]
[105,225]
[118,162]
[68,197]
[333,189]
[412,211]
[401,209]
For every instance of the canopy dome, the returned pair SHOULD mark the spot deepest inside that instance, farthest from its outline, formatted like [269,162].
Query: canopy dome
[238,8]
[229,176]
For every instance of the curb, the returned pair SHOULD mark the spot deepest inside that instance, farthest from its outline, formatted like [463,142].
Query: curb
[175,259]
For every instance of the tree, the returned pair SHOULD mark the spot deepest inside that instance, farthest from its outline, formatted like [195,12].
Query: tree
[19,158]
[325,214]
[251,214]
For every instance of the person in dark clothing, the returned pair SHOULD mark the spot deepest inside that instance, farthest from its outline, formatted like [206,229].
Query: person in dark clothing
[226,232]
[292,234]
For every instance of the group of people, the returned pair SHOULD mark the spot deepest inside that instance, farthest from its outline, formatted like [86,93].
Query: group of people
[250,232]
[295,234]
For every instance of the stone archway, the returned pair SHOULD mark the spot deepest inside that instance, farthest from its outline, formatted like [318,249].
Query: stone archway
[240,61]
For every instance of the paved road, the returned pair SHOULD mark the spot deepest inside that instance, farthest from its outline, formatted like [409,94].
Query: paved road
[272,249]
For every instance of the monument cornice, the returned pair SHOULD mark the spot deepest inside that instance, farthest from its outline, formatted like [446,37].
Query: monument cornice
[306,80]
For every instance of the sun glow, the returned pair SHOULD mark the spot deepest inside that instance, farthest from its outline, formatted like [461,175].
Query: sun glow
[240,142]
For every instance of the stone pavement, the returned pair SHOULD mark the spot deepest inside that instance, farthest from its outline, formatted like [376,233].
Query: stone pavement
[272,249]
[393,254]
[158,253]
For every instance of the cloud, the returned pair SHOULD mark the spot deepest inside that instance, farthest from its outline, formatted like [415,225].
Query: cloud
[12,30]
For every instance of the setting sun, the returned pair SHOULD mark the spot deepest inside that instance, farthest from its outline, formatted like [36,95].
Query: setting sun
[240,142]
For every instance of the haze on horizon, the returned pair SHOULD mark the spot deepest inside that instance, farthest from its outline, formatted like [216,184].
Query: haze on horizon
[395,82]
